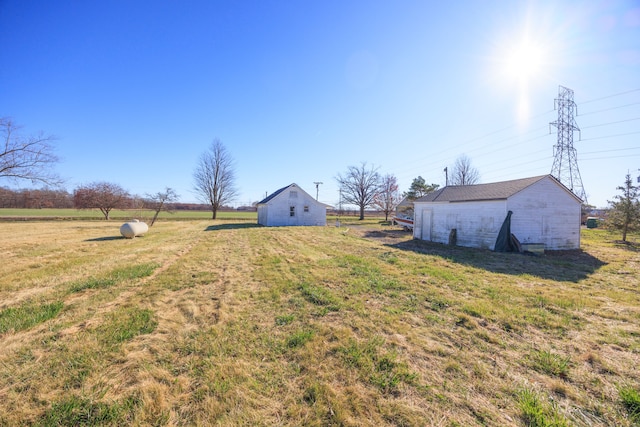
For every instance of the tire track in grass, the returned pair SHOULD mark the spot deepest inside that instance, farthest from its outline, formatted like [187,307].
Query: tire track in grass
[199,305]
[126,295]
[157,365]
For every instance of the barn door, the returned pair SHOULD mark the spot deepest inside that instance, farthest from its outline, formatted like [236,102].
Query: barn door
[426,224]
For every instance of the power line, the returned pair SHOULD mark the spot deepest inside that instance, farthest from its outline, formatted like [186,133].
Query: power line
[610,96]
[611,123]
[612,157]
[523,155]
[610,151]
[528,162]
[610,136]
[609,109]
[437,160]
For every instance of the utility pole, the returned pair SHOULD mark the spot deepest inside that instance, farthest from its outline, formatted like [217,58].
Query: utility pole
[565,159]
[446,176]
[317,189]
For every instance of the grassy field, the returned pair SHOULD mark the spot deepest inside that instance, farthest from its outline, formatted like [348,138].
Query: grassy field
[226,323]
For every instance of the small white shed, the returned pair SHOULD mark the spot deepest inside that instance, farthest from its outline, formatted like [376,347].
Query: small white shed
[544,212]
[289,206]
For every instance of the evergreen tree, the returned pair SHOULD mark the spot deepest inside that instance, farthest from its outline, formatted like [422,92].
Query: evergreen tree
[624,214]
[419,188]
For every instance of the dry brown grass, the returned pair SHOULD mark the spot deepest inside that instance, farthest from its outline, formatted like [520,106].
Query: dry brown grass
[210,323]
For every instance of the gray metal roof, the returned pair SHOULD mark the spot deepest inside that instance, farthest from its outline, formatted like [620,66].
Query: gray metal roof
[274,194]
[492,191]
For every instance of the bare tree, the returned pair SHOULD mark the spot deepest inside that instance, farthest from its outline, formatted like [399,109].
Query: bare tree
[160,202]
[388,197]
[26,157]
[463,173]
[101,195]
[359,186]
[214,177]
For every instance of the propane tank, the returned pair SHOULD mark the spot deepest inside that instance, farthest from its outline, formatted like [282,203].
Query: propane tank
[133,229]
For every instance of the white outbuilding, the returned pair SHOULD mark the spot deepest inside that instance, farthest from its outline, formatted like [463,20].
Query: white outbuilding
[289,206]
[544,212]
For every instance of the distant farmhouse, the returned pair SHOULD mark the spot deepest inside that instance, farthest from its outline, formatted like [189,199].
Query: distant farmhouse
[289,206]
[544,212]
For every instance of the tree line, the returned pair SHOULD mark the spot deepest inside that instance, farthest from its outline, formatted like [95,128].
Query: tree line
[46,198]
[31,157]
[35,199]
[364,187]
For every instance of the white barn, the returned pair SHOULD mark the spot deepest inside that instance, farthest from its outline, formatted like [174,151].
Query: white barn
[544,212]
[291,205]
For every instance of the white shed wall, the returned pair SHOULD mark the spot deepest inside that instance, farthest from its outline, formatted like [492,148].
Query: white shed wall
[546,213]
[542,213]
[477,223]
[277,211]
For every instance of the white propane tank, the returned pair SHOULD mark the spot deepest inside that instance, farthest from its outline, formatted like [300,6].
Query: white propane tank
[133,228]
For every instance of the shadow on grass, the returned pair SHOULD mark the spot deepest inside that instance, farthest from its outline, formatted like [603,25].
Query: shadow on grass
[566,266]
[629,246]
[104,239]
[390,234]
[232,226]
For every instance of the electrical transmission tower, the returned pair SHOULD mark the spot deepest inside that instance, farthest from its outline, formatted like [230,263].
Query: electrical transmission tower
[565,160]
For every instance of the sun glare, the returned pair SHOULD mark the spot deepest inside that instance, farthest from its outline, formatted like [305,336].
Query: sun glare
[523,64]
[525,61]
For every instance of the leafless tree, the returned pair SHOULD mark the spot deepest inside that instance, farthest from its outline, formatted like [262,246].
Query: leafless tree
[101,195]
[160,202]
[463,173]
[26,157]
[388,197]
[214,177]
[359,186]
[35,198]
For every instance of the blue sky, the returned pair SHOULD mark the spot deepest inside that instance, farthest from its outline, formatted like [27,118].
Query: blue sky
[298,91]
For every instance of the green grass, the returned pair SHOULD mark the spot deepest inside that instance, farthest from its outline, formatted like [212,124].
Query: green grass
[82,411]
[550,363]
[216,323]
[538,413]
[124,324]
[28,315]
[284,319]
[630,398]
[319,295]
[299,338]
[376,365]
[116,276]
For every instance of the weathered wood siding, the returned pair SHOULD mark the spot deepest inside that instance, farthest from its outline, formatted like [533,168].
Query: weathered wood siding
[546,213]
[477,223]
[542,213]
[306,210]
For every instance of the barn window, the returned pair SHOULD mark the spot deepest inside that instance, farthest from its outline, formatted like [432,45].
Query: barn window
[292,211]
[293,194]
[306,208]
